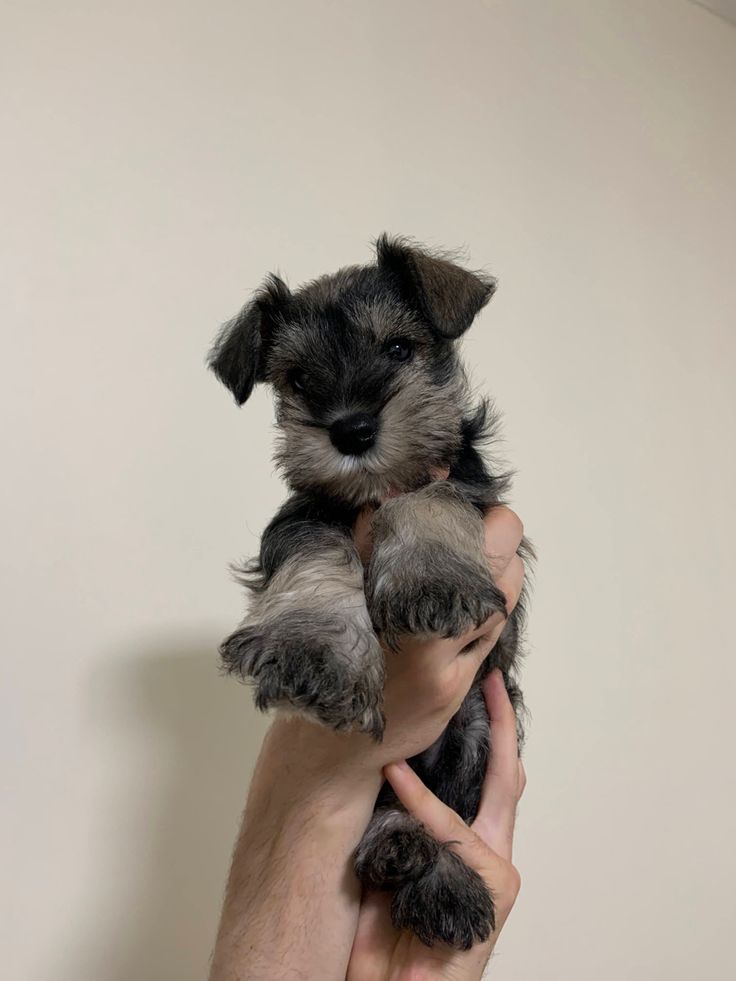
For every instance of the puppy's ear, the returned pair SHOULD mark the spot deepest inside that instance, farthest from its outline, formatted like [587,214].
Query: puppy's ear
[238,356]
[447,296]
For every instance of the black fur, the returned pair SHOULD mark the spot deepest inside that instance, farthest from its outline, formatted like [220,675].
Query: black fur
[448,903]
[377,340]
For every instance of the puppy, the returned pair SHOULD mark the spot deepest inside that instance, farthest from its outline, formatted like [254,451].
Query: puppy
[372,400]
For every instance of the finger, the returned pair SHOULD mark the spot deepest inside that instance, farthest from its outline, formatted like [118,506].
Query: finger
[477,643]
[439,819]
[442,822]
[480,641]
[494,822]
[503,534]
[363,532]
[511,584]
[511,581]
[375,938]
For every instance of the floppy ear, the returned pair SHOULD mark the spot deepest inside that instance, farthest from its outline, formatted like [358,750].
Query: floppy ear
[238,356]
[447,296]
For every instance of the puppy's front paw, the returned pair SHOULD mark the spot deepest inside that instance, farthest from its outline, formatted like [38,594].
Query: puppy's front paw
[331,672]
[450,904]
[428,590]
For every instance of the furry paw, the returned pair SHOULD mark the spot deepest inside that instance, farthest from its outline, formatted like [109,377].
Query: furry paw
[394,849]
[429,590]
[450,904]
[333,673]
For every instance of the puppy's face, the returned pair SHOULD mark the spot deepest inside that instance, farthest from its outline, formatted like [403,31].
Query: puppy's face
[370,392]
[368,399]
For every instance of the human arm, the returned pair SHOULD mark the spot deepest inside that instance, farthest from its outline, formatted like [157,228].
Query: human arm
[292,902]
[379,951]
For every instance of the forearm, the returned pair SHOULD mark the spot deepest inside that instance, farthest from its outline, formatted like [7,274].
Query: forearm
[292,900]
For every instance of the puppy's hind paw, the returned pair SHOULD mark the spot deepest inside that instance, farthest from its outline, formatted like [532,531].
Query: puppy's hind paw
[449,904]
[395,849]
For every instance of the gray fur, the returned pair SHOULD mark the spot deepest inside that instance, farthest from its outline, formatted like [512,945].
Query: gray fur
[304,452]
[374,346]
[450,903]
[428,574]
[308,642]
[436,895]
[394,849]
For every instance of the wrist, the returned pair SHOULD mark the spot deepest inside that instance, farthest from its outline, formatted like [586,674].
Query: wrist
[309,802]
[310,771]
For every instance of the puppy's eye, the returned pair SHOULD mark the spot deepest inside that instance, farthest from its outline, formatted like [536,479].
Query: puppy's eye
[298,379]
[399,348]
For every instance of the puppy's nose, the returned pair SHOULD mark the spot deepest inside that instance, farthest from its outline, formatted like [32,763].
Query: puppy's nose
[354,435]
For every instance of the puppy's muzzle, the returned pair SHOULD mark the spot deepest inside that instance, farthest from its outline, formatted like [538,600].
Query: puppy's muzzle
[353,435]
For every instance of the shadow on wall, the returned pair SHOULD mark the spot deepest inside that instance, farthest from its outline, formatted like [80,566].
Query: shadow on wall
[208,735]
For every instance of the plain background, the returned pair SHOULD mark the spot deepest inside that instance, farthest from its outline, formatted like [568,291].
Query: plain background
[159,158]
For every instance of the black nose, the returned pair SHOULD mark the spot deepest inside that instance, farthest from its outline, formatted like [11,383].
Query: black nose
[354,435]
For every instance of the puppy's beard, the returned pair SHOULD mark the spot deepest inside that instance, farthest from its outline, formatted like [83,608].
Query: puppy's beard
[419,433]
[312,462]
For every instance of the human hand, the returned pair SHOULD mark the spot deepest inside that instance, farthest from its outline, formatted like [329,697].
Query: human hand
[312,795]
[381,952]
[427,679]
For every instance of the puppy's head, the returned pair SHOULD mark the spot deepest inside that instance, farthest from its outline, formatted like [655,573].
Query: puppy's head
[370,393]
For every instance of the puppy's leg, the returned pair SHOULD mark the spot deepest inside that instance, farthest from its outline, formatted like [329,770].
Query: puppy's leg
[308,643]
[394,849]
[436,895]
[428,573]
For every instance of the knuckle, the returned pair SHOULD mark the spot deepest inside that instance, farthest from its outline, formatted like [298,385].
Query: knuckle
[512,884]
[514,580]
[522,779]
[518,525]
[514,523]
[483,830]
[445,691]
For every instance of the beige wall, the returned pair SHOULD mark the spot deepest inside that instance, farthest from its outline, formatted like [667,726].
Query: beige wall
[160,157]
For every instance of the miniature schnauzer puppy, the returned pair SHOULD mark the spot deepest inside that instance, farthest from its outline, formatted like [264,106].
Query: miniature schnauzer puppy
[371,401]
